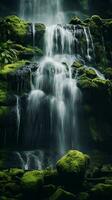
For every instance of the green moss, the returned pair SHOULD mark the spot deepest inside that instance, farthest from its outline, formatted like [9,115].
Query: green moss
[40,28]
[90,73]
[100,83]
[38,52]
[85,83]
[21,48]
[3,92]
[24,51]
[61,194]
[4,177]
[7,69]
[16,172]
[108,73]
[75,21]
[77,65]
[16,25]
[96,83]
[97,19]
[102,191]
[32,180]
[72,167]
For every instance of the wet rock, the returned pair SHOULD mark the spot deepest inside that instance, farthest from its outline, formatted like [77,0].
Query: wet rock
[76,21]
[32,181]
[101,191]
[72,167]
[48,190]
[61,194]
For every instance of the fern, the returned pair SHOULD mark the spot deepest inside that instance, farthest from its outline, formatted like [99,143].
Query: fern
[8,54]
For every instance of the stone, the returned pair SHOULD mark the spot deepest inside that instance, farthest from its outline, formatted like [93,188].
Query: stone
[61,194]
[72,167]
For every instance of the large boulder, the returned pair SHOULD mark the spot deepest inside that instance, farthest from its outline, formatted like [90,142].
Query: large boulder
[32,181]
[72,167]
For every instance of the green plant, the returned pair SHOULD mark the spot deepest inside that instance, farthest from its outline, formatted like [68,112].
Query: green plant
[8,54]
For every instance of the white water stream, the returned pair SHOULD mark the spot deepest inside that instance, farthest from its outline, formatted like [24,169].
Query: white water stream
[53,102]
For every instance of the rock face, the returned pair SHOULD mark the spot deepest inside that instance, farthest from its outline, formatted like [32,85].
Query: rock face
[15,29]
[15,81]
[50,184]
[72,167]
[16,73]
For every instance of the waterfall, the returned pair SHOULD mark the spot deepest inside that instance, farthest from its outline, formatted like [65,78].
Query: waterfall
[18,116]
[52,103]
[51,119]
[33,30]
[45,11]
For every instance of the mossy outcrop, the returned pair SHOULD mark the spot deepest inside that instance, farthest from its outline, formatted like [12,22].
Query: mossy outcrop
[101,191]
[32,180]
[72,167]
[76,21]
[20,31]
[13,28]
[97,182]
[95,119]
[7,69]
[60,194]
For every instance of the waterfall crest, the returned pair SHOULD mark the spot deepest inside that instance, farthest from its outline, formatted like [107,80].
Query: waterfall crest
[43,11]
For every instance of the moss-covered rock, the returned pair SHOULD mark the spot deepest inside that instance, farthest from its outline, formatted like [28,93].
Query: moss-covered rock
[32,181]
[3,93]
[83,196]
[60,194]
[85,83]
[39,35]
[4,177]
[108,73]
[101,191]
[76,21]
[14,28]
[97,84]
[15,172]
[97,19]
[90,73]
[50,176]
[72,167]
[7,69]
[27,53]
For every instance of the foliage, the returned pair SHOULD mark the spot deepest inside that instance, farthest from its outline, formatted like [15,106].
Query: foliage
[7,53]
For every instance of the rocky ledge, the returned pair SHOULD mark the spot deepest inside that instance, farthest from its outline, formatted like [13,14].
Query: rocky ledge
[74,178]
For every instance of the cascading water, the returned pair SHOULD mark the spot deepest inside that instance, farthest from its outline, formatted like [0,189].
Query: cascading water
[18,116]
[45,11]
[52,121]
[52,104]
